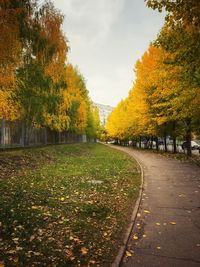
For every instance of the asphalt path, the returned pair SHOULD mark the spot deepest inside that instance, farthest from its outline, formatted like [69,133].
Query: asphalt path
[167,227]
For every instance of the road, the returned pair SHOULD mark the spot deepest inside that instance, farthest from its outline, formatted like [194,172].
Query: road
[167,228]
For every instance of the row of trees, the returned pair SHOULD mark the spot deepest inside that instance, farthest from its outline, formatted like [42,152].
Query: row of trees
[165,97]
[37,84]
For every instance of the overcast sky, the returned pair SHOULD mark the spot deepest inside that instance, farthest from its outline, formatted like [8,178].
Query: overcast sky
[106,38]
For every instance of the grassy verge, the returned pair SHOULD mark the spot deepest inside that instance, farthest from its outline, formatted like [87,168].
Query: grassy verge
[66,205]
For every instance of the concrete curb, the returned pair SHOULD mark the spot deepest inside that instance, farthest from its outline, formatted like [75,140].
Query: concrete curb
[122,249]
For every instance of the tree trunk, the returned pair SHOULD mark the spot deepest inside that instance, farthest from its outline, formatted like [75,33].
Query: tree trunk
[147,143]
[157,147]
[188,137]
[151,142]
[140,142]
[174,145]
[3,132]
[165,141]
[174,136]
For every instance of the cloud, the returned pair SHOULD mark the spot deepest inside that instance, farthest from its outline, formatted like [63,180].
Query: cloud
[94,18]
[106,38]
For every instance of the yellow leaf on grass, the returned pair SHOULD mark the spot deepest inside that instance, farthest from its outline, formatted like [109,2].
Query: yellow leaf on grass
[84,250]
[157,223]
[62,199]
[16,239]
[92,261]
[69,253]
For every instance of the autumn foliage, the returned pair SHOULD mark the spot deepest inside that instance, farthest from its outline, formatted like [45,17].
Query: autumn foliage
[37,84]
[165,96]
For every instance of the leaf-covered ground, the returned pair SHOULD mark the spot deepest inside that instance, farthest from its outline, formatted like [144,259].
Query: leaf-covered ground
[65,205]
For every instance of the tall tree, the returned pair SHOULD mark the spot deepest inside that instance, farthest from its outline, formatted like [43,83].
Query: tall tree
[180,36]
[10,51]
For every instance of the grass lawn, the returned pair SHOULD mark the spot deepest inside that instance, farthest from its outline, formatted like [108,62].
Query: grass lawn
[65,205]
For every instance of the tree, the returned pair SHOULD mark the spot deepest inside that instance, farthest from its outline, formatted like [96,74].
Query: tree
[93,122]
[180,36]
[41,74]
[185,12]
[10,48]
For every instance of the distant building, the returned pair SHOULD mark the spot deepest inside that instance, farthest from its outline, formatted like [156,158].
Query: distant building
[104,112]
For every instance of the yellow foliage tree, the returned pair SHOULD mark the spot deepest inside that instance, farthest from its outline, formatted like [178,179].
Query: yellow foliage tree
[10,49]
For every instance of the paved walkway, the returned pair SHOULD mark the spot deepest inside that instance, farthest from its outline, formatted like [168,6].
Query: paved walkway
[167,228]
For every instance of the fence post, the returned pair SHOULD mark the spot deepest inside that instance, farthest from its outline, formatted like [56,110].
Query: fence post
[45,136]
[3,132]
[35,131]
[59,138]
[23,134]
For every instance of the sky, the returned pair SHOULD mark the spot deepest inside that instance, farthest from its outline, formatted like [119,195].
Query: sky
[106,38]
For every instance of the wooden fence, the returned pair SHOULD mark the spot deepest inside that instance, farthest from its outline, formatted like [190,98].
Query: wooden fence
[17,134]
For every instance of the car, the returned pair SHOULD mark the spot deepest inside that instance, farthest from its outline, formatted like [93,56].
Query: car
[194,145]
[111,142]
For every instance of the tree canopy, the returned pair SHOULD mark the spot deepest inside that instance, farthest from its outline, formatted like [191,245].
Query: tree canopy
[165,97]
[37,83]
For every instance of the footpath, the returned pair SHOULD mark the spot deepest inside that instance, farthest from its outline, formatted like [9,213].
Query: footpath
[166,232]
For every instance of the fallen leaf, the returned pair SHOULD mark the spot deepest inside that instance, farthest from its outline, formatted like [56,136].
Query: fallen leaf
[31,238]
[147,211]
[69,253]
[16,239]
[172,223]
[34,207]
[129,254]
[19,248]
[84,250]
[135,237]
[36,253]
[157,223]
[62,199]
[12,251]
[92,262]
[158,247]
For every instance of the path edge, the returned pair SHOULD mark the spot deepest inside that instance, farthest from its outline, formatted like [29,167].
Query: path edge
[122,249]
